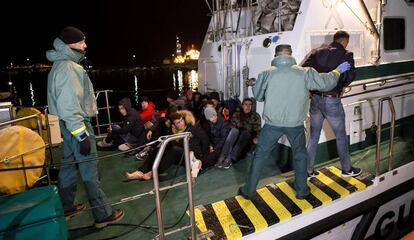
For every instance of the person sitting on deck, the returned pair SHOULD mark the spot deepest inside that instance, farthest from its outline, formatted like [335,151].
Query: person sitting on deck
[217,130]
[245,129]
[173,100]
[197,105]
[148,110]
[131,134]
[182,121]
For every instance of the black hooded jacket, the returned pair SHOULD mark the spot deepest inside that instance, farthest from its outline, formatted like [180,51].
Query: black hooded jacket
[132,124]
[326,59]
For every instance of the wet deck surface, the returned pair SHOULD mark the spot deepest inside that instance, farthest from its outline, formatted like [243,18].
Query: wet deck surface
[214,185]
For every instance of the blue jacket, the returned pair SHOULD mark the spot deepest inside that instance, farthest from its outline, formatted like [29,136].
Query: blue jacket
[326,59]
[70,94]
[285,91]
[218,133]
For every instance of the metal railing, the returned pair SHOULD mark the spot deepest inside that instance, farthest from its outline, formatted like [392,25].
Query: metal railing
[157,189]
[379,129]
[107,108]
[384,80]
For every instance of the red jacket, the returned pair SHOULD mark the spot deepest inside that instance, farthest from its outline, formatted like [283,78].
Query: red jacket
[147,114]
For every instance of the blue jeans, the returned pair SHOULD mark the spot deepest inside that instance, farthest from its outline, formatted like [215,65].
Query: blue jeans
[333,111]
[236,142]
[268,138]
[68,174]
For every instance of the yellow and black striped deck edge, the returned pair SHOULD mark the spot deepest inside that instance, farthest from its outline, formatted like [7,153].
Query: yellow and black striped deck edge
[236,217]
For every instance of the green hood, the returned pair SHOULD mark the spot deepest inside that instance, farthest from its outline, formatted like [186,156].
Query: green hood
[283,61]
[63,52]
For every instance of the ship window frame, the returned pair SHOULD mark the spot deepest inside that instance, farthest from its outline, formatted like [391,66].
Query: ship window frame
[392,33]
[358,55]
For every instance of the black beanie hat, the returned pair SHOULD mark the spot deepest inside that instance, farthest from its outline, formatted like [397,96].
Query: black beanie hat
[71,35]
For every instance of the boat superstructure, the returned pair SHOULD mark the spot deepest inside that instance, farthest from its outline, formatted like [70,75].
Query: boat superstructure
[240,43]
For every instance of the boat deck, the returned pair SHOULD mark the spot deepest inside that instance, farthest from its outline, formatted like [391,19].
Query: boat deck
[214,185]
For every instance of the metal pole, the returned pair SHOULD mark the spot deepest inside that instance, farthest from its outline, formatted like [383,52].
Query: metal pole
[24,171]
[49,139]
[378,146]
[392,130]
[107,106]
[39,125]
[156,180]
[97,124]
[18,120]
[279,17]
[189,187]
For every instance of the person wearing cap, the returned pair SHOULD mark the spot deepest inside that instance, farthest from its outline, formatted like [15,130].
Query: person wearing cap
[70,96]
[284,89]
[217,130]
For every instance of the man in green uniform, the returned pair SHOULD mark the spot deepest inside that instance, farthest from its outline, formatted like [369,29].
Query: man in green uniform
[285,91]
[71,97]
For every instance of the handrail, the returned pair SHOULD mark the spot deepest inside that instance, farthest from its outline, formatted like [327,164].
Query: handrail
[157,189]
[37,116]
[107,107]
[383,80]
[379,129]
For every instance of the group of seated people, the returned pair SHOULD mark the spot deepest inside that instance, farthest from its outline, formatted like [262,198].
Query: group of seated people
[221,132]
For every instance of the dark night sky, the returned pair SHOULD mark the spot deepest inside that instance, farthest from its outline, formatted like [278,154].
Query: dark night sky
[115,30]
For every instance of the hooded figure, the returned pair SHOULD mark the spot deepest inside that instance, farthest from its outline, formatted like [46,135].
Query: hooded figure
[132,132]
[70,96]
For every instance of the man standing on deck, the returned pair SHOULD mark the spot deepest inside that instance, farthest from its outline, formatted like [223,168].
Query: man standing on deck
[285,91]
[71,97]
[327,104]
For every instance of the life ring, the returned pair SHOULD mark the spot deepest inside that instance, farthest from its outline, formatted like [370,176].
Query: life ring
[17,140]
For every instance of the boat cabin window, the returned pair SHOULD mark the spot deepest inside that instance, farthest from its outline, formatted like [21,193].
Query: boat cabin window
[320,39]
[275,15]
[394,33]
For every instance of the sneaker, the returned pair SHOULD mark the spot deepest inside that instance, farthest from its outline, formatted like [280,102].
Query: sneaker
[352,172]
[124,147]
[195,165]
[143,154]
[104,144]
[313,174]
[75,210]
[219,163]
[227,164]
[116,216]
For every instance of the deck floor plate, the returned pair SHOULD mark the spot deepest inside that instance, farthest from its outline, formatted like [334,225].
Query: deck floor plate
[236,217]
[264,208]
[333,185]
[360,186]
[274,203]
[312,199]
[259,222]
[318,193]
[304,205]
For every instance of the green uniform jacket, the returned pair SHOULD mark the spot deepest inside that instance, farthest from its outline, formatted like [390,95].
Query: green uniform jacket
[70,94]
[285,91]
